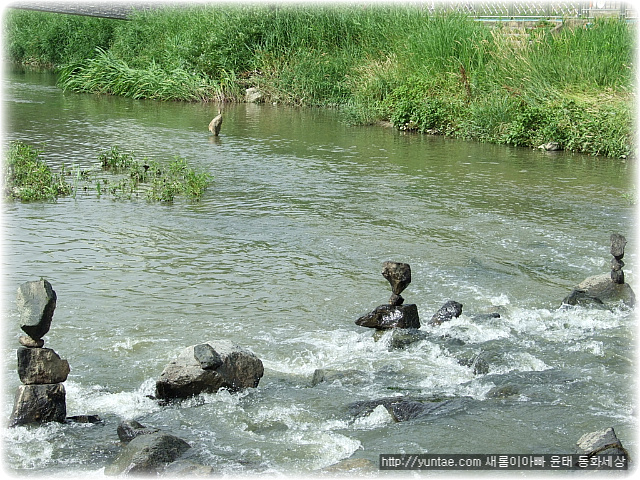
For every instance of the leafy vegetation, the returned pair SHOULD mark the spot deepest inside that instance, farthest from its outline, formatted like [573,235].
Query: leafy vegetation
[28,178]
[433,73]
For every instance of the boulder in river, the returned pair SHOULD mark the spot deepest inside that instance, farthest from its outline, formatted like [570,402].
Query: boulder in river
[391,316]
[36,302]
[185,376]
[405,408]
[600,290]
[39,404]
[602,442]
[40,366]
[451,309]
[147,454]
[130,429]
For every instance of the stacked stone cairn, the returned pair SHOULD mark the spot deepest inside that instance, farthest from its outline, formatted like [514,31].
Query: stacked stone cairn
[599,291]
[41,398]
[395,314]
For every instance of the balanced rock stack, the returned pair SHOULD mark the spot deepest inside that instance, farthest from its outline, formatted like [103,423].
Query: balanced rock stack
[395,314]
[42,396]
[607,288]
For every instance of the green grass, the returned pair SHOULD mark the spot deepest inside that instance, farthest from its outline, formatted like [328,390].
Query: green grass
[432,73]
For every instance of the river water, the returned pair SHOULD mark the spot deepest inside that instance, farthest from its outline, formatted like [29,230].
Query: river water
[284,253]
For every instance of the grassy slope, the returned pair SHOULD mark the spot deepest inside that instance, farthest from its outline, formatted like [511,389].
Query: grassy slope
[432,73]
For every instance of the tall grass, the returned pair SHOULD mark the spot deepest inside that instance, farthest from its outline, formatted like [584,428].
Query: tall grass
[436,73]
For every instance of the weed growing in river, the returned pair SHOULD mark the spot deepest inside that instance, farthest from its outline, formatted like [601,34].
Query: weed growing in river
[27,176]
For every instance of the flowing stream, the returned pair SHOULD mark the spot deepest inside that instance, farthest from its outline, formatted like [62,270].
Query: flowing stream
[283,254]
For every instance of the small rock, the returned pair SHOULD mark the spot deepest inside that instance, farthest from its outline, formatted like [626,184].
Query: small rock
[478,364]
[398,275]
[39,404]
[208,358]
[130,429]
[391,316]
[40,366]
[396,300]
[29,342]
[449,310]
[147,454]
[36,302]
[253,95]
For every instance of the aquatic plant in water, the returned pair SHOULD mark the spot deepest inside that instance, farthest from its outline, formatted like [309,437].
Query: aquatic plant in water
[27,177]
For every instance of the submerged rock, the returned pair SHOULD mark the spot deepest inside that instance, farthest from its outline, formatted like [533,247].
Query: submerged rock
[449,310]
[404,408]
[36,302]
[391,316]
[147,454]
[39,404]
[130,429]
[351,377]
[184,377]
[40,366]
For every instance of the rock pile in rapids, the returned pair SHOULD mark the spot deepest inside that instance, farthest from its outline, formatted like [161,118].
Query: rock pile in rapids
[395,314]
[601,290]
[208,367]
[41,398]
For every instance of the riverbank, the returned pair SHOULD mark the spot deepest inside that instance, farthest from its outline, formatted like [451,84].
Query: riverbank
[439,74]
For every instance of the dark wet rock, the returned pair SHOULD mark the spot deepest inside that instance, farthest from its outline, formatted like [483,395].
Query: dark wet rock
[602,442]
[351,377]
[483,317]
[184,377]
[40,366]
[404,408]
[449,310]
[503,391]
[36,302]
[581,298]
[147,454]
[93,419]
[352,466]
[130,429]
[39,404]
[27,341]
[398,275]
[208,358]
[396,300]
[391,316]
[403,337]
[476,363]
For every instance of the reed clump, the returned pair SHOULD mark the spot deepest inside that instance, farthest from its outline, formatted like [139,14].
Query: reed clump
[439,73]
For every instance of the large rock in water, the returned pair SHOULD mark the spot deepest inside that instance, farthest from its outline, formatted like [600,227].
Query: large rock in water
[600,288]
[602,442]
[398,275]
[147,454]
[39,404]
[36,302]
[41,365]
[391,316]
[449,310]
[193,372]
